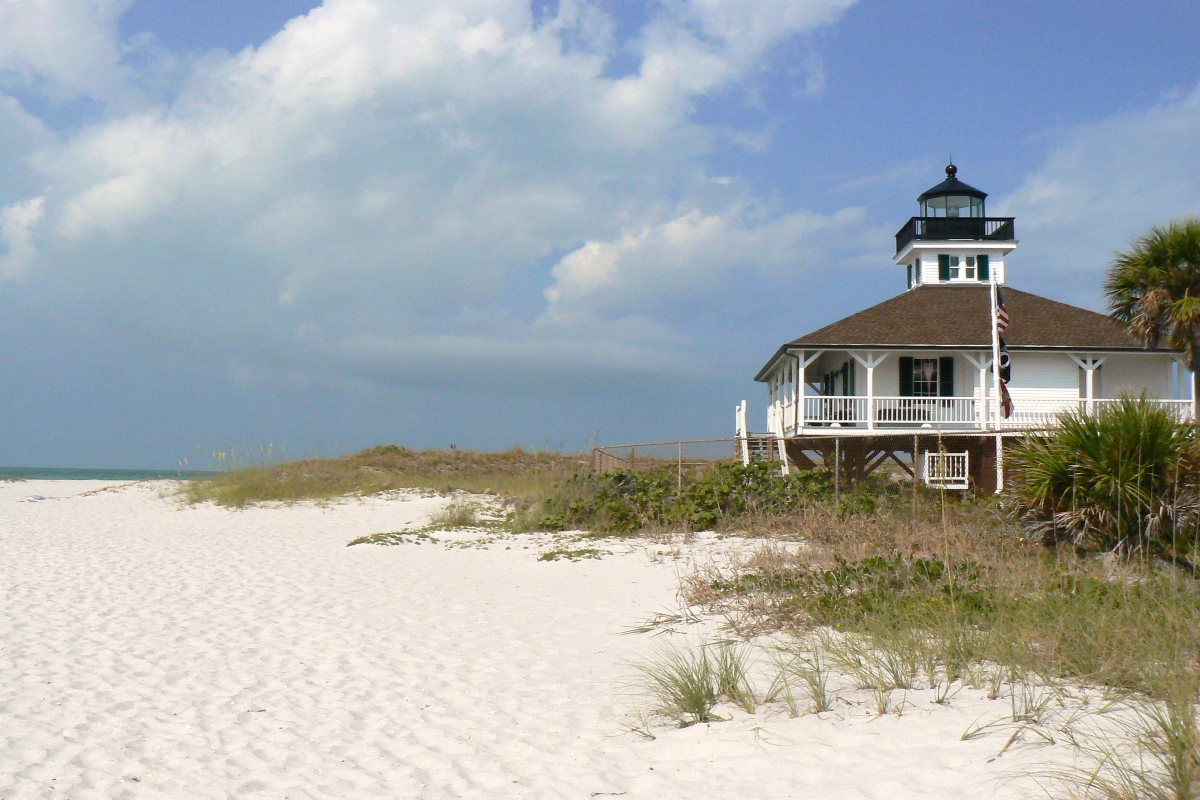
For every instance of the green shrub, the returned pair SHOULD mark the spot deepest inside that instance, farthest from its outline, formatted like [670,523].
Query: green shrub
[1124,478]
[625,502]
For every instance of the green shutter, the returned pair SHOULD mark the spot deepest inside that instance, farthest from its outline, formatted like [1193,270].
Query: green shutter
[946,376]
[943,268]
[906,376]
[984,274]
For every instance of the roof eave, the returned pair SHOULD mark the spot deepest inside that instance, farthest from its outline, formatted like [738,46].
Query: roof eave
[792,347]
[761,377]
[1007,245]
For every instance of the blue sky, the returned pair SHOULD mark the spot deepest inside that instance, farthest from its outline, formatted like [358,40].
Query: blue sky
[488,223]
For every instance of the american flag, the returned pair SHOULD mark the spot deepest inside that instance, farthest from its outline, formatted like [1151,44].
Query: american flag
[1001,313]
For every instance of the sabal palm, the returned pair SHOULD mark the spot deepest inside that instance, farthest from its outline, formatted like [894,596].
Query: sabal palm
[1154,288]
[1122,477]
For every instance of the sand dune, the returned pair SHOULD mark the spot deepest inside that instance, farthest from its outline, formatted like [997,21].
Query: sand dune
[154,651]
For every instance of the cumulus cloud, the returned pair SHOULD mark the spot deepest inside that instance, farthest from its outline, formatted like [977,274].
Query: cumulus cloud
[682,260]
[1106,183]
[368,188]
[16,226]
[64,48]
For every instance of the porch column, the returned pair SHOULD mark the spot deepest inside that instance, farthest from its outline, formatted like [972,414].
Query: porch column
[1089,366]
[983,394]
[1091,390]
[793,388]
[870,393]
[800,364]
[1184,386]
[803,359]
[870,362]
[982,362]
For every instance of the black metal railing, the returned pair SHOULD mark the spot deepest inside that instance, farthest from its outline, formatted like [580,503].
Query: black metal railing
[950,228]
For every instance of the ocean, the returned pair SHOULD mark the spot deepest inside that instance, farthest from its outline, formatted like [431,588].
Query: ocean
[68,474]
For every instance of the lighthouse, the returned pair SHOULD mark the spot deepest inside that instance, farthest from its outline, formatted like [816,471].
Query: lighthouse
[911,379]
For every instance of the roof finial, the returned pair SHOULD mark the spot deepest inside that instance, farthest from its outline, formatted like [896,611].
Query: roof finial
[951,170]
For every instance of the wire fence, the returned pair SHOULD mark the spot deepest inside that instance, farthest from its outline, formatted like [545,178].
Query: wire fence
[684,454]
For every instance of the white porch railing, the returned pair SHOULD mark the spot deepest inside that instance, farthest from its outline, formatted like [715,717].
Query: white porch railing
[1182,409]
[1032,414]
[947,470]
[932,411]
[840,411]
[946,413]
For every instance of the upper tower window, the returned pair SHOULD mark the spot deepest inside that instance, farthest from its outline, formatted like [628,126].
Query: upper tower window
[953,205]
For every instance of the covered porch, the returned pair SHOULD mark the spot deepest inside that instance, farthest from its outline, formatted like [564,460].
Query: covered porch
[849,391]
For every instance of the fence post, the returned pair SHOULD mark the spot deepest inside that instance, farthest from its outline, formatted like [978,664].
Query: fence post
[916,477]
[679,487]
[837,470]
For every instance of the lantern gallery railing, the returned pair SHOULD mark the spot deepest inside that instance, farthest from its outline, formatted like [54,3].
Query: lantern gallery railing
[944,229]
[822,412]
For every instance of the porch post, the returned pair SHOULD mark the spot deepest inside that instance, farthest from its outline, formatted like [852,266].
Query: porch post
[794,389]
[1089,365]
[871,391]
[983,393]
[803,359]
[800,391]
[981,363]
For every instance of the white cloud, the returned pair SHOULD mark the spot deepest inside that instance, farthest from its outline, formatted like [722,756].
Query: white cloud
[684,259]
[1105,184]
[66,48]
[16,235]
[370,182]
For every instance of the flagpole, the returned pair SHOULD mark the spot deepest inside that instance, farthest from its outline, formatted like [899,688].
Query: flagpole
[996,383]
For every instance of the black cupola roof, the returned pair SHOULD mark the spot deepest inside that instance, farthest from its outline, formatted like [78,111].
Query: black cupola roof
[952,185]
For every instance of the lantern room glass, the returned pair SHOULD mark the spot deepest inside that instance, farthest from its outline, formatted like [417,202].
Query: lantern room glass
[954,205]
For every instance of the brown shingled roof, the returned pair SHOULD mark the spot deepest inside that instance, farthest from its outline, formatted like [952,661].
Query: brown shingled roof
[958,317]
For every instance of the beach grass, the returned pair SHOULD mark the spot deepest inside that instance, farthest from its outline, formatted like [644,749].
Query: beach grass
[525,476]
[455,516]
[687,682]
[961,595]
[806,663]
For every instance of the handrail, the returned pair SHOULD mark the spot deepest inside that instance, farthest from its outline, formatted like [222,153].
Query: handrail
[956,228]
[891,413]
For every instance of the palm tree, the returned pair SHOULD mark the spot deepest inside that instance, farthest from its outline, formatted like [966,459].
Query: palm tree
[1154,288]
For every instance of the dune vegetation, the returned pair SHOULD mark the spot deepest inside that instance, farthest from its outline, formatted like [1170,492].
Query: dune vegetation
[519,474]
[1083,574]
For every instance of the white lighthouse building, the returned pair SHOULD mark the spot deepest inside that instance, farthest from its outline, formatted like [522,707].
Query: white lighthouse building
[913,374]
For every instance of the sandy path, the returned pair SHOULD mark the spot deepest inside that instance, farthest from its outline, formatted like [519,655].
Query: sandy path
[152,651]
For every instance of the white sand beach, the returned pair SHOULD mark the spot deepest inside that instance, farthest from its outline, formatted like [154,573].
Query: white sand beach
[153,650]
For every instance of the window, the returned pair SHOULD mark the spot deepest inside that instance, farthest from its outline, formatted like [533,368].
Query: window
[925,377]
[954,268]
[917,271]
[910,276]
[970,274]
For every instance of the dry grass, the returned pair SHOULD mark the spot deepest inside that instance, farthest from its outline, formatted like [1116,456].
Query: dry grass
[967,599]
[518,474]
